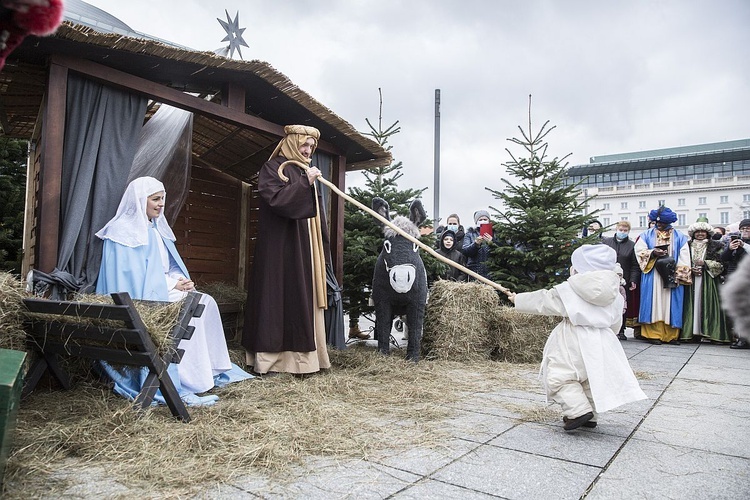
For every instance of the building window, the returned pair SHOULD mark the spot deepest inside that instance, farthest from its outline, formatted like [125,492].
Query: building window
[724,200]
[642,221]
[641,204]
[701,200]
[605,206]
[681,202]
[605,221]
[624,218]
[746,214]
[662,203]
[702,214]
[681,219]
[724,217]
[624,205]
[746,198]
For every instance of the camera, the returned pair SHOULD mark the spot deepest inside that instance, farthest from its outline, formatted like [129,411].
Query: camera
[734,237]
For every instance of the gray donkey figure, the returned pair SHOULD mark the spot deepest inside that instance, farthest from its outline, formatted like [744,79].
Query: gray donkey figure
[399,283]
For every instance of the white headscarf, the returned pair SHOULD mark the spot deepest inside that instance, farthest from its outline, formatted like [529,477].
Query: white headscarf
[130,225]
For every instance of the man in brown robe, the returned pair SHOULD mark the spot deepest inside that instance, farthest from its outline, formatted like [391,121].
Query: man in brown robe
[284,324]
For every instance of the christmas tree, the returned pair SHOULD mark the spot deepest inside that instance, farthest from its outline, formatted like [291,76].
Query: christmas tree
[539,224]
[13,154]
[363,234]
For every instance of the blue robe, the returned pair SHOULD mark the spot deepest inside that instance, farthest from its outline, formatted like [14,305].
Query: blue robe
[676,298]
[139,272]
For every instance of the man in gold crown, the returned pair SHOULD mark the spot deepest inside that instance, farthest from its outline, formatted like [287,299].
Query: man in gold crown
[664,258]
[284,323]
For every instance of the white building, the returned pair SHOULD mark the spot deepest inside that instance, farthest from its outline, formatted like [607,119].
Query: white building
[706,180]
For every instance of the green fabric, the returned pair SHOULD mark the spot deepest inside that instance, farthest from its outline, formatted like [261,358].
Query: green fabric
[713,320]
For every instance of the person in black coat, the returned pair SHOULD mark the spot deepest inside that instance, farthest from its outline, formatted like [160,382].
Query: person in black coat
[631,272]
[452,223]
[737,248]
[448,249]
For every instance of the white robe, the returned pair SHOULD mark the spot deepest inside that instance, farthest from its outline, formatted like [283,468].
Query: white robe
[583,349]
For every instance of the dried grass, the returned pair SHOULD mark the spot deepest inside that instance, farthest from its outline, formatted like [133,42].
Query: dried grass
[466,321]
[366,403]
[224,293]
[12,290]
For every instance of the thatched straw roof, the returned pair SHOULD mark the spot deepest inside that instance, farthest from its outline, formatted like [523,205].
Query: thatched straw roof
[270,94]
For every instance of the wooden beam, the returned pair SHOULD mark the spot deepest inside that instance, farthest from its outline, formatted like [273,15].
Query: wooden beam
[338,177]
[233,96]
[176,98]
[50,172]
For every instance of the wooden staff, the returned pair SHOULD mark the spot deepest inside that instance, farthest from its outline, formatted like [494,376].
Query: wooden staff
[400,231]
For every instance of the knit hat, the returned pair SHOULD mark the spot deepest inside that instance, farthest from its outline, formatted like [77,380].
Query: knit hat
[587,258]
[480,213]
[744,223]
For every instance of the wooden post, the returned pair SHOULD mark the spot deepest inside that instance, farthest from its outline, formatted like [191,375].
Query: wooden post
[50,172]
[338,177]
[233,96]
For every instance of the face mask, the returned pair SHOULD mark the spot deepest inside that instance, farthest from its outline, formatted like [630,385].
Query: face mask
[452,227]
[621,235]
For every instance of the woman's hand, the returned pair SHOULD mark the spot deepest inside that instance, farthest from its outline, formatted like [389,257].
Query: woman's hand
[312,175]
[184,285]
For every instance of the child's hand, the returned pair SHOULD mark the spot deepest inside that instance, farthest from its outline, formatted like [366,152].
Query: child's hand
[511,296]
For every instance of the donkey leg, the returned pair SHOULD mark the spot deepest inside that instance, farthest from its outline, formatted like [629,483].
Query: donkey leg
[383,319]
[414,321]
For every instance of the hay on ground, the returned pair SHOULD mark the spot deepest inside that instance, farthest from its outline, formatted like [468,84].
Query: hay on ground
[466,321]
[364,404]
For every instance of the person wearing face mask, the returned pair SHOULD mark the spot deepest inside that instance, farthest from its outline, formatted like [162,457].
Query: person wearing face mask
[452,223]
[449,250]
[631,273]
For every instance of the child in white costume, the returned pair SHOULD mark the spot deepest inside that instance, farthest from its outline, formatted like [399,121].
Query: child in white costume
[584,368]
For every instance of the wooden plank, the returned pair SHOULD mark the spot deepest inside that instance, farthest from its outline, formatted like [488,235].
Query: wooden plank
[79,309]
[48,229]
[118,356]
[43,331]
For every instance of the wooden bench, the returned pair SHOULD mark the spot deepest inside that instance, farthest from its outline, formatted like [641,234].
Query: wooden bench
[129,344]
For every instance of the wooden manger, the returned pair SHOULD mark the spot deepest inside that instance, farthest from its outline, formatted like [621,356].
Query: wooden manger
[109,332]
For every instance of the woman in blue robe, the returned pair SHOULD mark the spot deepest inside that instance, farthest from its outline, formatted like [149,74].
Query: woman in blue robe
[139,257]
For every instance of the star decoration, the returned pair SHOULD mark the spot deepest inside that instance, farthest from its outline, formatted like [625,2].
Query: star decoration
[234,33]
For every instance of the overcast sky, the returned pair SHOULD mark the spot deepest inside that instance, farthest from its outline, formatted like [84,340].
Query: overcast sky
[612,76]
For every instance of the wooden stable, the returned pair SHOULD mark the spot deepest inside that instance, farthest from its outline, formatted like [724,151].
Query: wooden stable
[240,109]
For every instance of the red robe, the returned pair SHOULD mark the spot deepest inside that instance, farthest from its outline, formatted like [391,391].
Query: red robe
[278,313]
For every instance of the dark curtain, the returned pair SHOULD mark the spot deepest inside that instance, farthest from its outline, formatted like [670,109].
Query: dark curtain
[102,127]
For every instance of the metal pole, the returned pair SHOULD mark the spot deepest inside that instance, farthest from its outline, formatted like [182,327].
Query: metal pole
[436,212]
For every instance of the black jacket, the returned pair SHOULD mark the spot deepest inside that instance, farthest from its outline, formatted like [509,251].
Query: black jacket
[625,249]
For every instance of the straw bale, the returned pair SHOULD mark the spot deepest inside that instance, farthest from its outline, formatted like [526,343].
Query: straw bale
[12,290]
[225,293]
[466,321]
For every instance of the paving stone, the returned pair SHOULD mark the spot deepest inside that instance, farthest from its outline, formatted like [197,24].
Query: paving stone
[713,372]
[655,470]
[731,398]
[580,446]
[324,479]
[517,475]
[436,490]
[425,461]
[477,427]
[698,427]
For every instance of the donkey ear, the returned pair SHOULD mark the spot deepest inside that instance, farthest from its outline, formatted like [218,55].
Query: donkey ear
[381,207]
[416,212]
